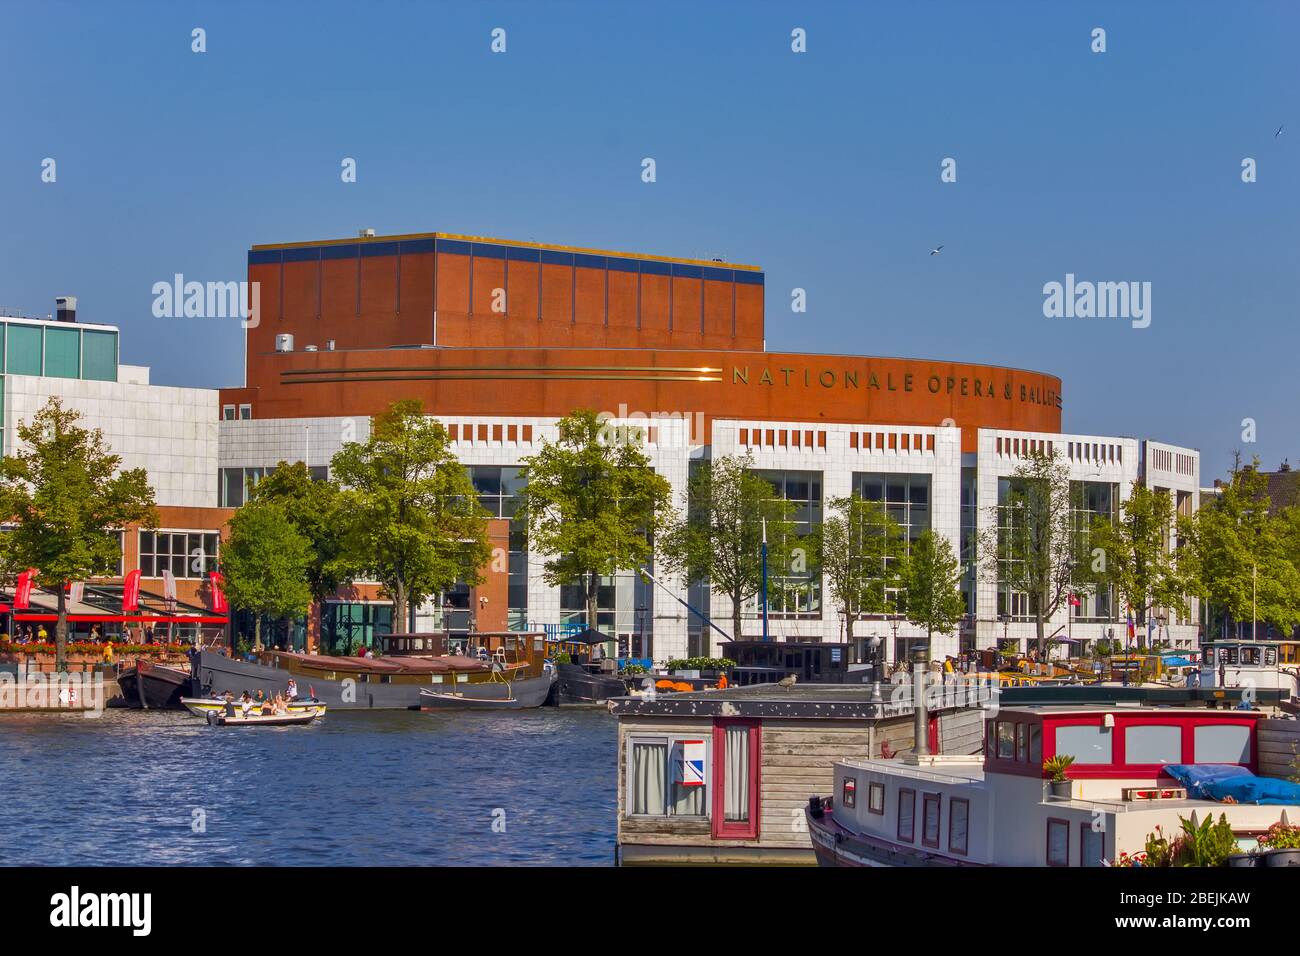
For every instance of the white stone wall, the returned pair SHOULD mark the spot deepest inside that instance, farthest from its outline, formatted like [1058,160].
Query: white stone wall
[672,444]
[169,431]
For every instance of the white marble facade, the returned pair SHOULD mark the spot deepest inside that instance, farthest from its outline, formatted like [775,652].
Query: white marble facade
[837,451]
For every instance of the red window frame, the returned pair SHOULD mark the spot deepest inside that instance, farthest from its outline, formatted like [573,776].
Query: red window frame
[965,847]
[910,794]
[724,829]
[928,800]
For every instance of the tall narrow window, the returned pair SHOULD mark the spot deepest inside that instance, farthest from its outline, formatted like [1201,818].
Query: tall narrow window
[906,815]
[958,825]
[735,779]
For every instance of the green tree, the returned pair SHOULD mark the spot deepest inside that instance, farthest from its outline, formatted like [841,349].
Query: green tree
[313,507]
[1131,554]
[859,549]
[413,519]
[592,504]
[64,489]
[931,585]
[265,561]
[1241,557]
[720,538]
[1031,545]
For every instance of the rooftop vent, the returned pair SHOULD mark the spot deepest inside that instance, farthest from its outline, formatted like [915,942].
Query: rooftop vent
[65,308]
[284,342]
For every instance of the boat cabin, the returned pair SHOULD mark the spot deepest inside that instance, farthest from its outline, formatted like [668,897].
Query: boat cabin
[1257,664]
[766,662]
[1000,809]
[723,776]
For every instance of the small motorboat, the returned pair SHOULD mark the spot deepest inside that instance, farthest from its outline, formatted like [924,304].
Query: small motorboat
[202,706]
[518,694]
[218,719]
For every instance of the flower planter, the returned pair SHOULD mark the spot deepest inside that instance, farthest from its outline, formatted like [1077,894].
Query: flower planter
[1287,857]
[1062,788]
[1241,859]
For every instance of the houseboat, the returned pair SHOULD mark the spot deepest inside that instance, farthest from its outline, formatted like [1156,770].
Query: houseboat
[1131,774]
[722,776]
[766,662]
[1258,665]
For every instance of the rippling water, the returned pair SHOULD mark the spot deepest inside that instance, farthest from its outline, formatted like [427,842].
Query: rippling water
[388,788]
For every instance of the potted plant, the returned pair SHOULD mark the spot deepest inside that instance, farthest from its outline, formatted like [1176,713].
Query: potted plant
[1055,768]
[1280,846]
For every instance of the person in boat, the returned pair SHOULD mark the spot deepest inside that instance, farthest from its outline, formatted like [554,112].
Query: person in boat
[229,708]
[246,704]
[291,694]
[281,705]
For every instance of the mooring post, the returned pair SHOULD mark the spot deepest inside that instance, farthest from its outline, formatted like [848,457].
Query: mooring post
[920,716]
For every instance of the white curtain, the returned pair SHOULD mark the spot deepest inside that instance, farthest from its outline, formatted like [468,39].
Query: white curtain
[649,763]
[736,775]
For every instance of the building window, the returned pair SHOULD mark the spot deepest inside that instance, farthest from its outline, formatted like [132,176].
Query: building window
[876,798]
[958,825]
[347,626]
[1022,742]
[1092,846]
[1091,501]
[245,412]
[187,554]
[235,483]
[906,815]
[1058,842]
[498,490]
[228,413]
[795,594]
[667,777]
[1036,744]
[931,804]
[849,793]
[1221,743]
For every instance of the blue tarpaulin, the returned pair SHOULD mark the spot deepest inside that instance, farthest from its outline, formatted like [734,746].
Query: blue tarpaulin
[1216,781]
[1177,662]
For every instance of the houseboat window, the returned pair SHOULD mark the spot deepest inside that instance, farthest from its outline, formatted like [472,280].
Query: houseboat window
[849,795]
[1086,743]
[659,784]
[907,815]
[1006,740]
[1058,843]
[1222,743]
[1035,744]
[736,779]
[1227,655]
[1092,846]
[876,798]
[1270,656]
[1250,655]
[930,806]
[991,743]
[1022,742]
[958,824]
[1153,744]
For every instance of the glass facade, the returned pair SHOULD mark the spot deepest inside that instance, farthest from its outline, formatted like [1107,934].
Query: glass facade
[345,627]
[796,594]
[498,490]
[1091,500]
[61,350]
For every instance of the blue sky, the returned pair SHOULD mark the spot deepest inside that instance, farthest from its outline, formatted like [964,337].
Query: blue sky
[821,167]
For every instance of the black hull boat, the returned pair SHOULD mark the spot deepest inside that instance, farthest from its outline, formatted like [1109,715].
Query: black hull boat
[577,685]
[154,687]
[519,694]
[217,675]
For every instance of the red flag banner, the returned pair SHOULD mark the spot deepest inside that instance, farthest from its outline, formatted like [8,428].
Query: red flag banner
[23,590]
[218,596]
[131,591]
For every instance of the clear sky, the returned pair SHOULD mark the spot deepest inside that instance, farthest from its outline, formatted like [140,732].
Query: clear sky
[821,167]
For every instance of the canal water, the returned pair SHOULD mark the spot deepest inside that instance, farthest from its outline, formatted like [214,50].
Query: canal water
[398,788]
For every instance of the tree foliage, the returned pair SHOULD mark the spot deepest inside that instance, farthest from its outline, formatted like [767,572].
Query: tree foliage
[413,521]
[592,504]
[313,507]
[1241,556]
[64,490]
[931,585]
[859,549]
[1031,545]
[266,561]
[719,540]
[1132,554]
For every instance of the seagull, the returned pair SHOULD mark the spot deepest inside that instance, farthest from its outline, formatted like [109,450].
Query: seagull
[935,250]
[787,682]
[1279,131]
